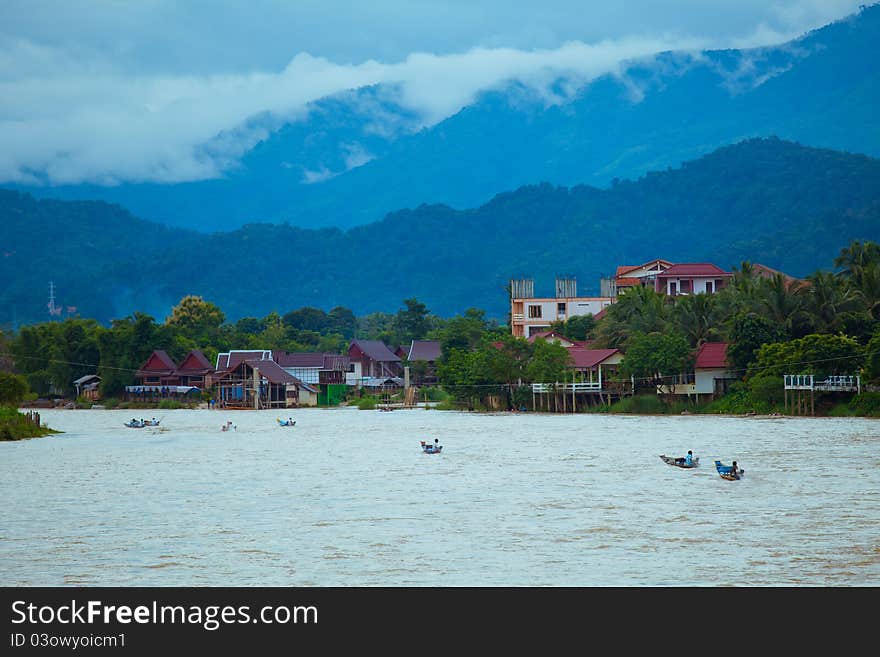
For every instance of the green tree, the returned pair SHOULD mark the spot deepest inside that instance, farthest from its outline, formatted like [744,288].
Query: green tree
[856,258]
[579,327]
[548,363]
[749,332]
[343,322]
[412,323]
[194,315]
[465,332]
[637,310]
[13,388]
[817,354]
[828,302]
[308,319]
[694,316]
[653,356]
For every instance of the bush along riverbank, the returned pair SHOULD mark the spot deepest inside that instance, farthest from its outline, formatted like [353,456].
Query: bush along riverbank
[15,425]
[743,401]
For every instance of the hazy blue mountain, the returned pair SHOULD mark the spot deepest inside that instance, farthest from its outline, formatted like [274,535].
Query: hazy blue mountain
[820,90]
[771,201]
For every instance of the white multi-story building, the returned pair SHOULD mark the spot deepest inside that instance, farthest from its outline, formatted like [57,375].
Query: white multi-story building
[530,314]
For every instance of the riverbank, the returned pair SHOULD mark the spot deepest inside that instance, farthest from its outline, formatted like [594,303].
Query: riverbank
[15,425]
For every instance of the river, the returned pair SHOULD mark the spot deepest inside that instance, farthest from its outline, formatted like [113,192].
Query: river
[347,498]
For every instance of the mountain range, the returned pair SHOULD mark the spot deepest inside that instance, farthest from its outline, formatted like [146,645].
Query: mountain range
[767,200]
[357,156]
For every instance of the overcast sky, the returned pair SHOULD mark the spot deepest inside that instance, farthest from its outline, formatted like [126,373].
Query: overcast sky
[109,90]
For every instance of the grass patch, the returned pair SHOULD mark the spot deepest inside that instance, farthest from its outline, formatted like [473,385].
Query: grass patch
[16,426]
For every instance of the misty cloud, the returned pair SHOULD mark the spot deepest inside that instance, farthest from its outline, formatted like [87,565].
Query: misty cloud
[98,109]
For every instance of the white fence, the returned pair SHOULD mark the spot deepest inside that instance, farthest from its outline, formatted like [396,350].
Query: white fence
[828,384]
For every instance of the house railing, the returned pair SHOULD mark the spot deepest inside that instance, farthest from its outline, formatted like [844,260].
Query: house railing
[589,386]
[829,384]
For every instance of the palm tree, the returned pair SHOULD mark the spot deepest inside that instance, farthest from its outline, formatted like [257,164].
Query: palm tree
[694,315]
[868,292]
[856,258]
[638,309]
[778,303]
[827,300]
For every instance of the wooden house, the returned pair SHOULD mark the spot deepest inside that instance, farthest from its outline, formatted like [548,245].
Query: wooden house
[262,383]
[195,370]
[371,359]
[159,370]
[422,357]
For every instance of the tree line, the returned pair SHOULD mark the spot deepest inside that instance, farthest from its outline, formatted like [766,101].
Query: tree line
[827,323]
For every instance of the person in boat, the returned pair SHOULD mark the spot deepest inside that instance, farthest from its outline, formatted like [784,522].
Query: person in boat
[290,421]
[686,460]
[436,445]
[735,470]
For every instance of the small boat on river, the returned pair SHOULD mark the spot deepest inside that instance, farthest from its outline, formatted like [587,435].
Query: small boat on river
[289,422]
[728,472]
[681,461]
[431,449]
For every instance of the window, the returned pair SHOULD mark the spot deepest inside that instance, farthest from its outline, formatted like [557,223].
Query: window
[534,311]
[709,287]
[560,308]
[672,291]
[685,287]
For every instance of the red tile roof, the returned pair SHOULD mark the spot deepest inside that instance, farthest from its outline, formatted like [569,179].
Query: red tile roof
[628,281]
[712,355]
[693,269]
[586,358]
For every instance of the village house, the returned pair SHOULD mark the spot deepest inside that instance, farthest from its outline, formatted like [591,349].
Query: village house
[691,278]
[371,361]
[711,376]
[422,357]
[160,378]
[195,370]
[557,338]
[260,383]
[530,314]
[314,368]
[628,276]
[325,372]
[159,370]
[88,387]
[595,365]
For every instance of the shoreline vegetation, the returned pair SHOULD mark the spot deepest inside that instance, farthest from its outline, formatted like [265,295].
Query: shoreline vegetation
[733,404]
[15,425]
[766,324]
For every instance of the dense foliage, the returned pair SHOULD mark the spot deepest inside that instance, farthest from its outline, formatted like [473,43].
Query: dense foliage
[826,324]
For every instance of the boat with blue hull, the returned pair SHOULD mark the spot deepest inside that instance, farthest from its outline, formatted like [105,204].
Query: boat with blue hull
[727,471]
